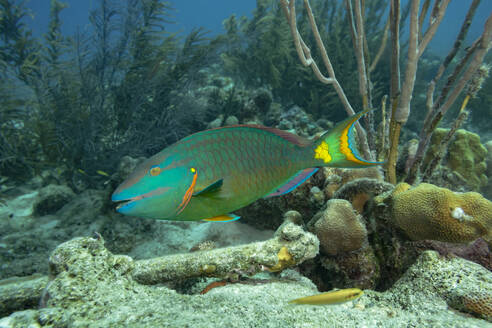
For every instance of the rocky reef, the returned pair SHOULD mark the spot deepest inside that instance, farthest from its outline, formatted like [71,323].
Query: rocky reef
[418,252]
[363,237]
[91,287]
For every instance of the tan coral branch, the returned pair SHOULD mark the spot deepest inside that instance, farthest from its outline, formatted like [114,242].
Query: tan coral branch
[251,258]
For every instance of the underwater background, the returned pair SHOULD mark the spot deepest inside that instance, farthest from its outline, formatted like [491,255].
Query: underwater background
[89,89]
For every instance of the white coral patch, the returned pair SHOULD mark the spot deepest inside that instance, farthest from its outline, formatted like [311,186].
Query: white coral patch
[460,215]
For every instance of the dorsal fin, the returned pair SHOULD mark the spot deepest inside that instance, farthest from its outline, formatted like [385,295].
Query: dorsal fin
[293,182]
[295,139]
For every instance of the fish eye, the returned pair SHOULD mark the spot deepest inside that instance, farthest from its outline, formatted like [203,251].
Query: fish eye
[155,170]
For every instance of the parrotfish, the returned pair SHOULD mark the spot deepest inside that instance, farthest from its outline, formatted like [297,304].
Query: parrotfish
[210,174]
[333,297]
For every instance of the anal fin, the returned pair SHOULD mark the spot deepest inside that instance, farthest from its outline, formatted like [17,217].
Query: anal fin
[293,182]
[224,218]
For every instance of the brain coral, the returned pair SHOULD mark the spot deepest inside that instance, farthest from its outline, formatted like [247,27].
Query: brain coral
[431,212]
[479,303]
[338,227]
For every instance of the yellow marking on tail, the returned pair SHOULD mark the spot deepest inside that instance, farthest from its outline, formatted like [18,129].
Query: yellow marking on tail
[322,152]
[344,145]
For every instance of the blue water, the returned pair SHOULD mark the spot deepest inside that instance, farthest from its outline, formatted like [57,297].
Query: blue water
[187,14]
[210,14]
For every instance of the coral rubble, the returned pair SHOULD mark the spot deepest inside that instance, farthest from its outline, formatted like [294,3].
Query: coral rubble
[290,246]
[92,287]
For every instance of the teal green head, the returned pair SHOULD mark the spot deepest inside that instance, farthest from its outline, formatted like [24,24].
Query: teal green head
[157,188]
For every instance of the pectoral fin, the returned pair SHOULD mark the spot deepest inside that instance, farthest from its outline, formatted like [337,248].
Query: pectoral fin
[224,218]
[211,189]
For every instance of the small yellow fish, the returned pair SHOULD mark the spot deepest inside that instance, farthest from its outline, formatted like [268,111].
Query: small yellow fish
[102,173]
[333,297]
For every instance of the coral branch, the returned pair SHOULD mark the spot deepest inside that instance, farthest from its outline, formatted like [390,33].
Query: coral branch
[359,52]
[303,50]
[479,50]
[457,45]
[403,110]
[21,293]
[290,246]
[443,147]
[483,48]
[304,54]
[384,40]
[435,21]
[415,50]
[423,13]
[394,127]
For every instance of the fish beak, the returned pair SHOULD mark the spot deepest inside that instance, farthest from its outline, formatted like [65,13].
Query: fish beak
[124,199]
[125,203]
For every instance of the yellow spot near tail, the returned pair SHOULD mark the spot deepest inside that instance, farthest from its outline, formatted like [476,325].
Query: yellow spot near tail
[321,152]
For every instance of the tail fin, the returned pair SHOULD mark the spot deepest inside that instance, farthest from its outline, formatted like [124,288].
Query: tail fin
[336,148]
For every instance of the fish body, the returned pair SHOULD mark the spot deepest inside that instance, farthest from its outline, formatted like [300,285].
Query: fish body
[332,297]
[212,173]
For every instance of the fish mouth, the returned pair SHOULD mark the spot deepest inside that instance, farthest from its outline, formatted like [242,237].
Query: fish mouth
[126,202]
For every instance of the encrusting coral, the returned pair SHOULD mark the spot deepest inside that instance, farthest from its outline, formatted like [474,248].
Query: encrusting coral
[285,260]
[465,286]
[431,212]
[466,156]
[359,191]
[338,177]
